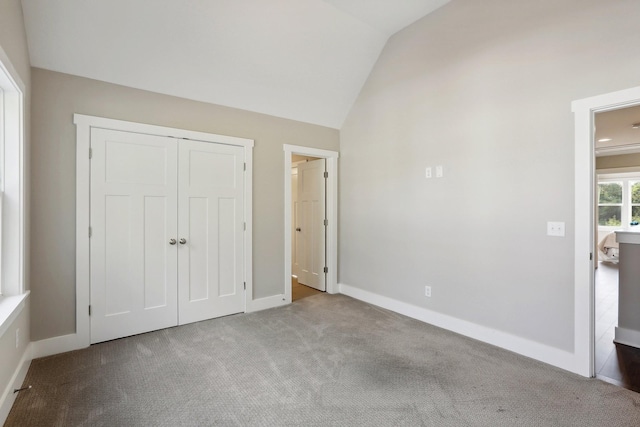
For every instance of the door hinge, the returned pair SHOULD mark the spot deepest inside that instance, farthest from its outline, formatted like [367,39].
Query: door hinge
[245,226]
[326,174]
[90,152]
[90,232]
[326,222]
[591,256]
[89,310]
[245,167]
[326,269]
[245,286]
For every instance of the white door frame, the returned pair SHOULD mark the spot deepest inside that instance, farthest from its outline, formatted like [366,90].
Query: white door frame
[584,110]
[82,337]
[332,215]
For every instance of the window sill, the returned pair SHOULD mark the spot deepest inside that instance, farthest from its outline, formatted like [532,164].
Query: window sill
[10,308]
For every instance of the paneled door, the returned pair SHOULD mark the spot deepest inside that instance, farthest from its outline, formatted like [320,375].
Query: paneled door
[310,224]
[211,230]
[167,232]
[133,221]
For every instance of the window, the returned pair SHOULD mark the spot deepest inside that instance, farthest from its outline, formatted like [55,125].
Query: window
[619,201]
[610,204]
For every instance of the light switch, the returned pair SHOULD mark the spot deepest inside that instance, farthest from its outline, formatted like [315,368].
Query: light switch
[555,229]
[439,172]
[427,172]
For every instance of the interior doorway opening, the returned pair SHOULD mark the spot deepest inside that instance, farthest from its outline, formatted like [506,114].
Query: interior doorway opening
[308,223]
[583,359]
[328,225]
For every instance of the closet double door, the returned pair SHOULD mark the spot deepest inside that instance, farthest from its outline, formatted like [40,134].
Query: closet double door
[167,232]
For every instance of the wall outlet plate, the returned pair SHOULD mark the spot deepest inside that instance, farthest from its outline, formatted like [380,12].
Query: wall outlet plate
[555,229]
[427,291]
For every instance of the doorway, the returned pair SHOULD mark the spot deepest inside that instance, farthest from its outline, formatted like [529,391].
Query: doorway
[584,110]
[329,269]
[308,234]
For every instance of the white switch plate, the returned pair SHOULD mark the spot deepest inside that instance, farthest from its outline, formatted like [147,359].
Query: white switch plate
[555,229]
[439,172]
[427,172]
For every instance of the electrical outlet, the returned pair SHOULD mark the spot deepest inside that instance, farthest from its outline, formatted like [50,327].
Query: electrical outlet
[17,337]
[427,291]
[427,172]
[439,172]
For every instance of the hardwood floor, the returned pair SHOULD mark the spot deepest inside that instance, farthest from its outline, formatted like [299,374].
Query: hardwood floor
[299,291]
[615,363]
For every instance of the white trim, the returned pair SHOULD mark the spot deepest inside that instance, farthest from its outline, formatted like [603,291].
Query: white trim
[10,308]
[84,124]
[628,337]
[8,396]
[267,302]
[13,237]
[57,345]
[532,349]
[332,214]
[584,109]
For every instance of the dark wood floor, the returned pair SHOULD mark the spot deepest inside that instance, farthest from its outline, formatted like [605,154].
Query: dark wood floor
[615,363]
[299,291]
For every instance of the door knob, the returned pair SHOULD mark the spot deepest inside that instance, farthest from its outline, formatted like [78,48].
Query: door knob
[298,229]
[183,241]
[172,241]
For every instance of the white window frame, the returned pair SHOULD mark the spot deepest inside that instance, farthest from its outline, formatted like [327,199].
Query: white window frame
[13,291]
[626,179]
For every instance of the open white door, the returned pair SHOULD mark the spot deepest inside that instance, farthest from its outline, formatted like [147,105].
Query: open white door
[311,228]
[211,230]
[133,219]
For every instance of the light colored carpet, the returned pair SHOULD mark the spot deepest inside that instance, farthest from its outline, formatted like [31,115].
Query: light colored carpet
[326,360]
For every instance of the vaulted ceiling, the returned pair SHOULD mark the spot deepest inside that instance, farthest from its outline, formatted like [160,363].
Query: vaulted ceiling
[299,59]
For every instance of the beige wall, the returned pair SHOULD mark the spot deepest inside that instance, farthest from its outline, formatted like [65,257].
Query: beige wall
[56,97]
[621,161]
[484,90]
[13,41]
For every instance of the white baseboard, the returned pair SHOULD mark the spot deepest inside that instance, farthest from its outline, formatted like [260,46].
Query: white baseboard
[626,336]
[8,396]
[56,345]
[265,303]
[535,350]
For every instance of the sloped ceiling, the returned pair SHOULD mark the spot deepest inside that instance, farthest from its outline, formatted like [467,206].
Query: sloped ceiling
[304,60]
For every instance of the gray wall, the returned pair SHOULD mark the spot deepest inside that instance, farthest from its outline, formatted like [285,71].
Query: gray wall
[14,43]
[56,97]
[484,90]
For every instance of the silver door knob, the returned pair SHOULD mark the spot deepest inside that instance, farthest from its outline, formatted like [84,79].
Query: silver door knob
[172,241]
[183,241]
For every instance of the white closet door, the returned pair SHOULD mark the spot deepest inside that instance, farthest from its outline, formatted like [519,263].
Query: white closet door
[133,218]
[310,245]
[211,222]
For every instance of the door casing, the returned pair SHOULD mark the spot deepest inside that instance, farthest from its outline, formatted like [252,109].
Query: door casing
[84,124]
[582,361]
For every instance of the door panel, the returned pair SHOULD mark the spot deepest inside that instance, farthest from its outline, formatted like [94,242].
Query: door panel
[210,212]
[133,216]
[311,233]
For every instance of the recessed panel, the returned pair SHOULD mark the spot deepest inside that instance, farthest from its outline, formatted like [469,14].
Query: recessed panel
[226,247]
[155,248]
[118,274]
[212,169]
[198,249]
[123,163]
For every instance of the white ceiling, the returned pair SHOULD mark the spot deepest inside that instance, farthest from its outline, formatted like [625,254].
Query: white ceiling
[300,59]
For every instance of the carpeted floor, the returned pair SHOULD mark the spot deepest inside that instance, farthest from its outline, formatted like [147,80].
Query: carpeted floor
[326,360]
